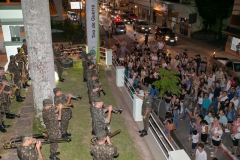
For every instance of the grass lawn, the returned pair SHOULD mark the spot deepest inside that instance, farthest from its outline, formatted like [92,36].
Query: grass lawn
[80,124]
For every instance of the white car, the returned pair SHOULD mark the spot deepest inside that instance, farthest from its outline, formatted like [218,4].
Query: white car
[72,15]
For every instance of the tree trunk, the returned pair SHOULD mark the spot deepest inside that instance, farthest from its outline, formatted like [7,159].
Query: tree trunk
[38,35]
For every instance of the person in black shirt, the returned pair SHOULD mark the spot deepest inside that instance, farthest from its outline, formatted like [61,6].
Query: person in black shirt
[167,97]
[216,94]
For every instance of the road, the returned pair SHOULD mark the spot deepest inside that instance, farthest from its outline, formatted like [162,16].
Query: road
[194,46]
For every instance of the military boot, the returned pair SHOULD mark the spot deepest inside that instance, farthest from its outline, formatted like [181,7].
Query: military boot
[19,99]
[53,157]
[68,134]
[65,137]
[5,126]
[140,131]
[10,116]
[61,79]
[2,129]
[144,133]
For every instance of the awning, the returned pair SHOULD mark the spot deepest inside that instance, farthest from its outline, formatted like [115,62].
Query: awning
[232,32]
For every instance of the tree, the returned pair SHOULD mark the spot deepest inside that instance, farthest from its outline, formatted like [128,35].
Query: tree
[168,82]
[37,28]
[210,10]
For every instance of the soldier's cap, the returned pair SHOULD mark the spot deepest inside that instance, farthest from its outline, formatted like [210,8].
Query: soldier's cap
[24,40]
[89,54]
[55,90]
[146,89]
[1,68]
[12,57]
[83,46]
[94,75]
[101,134]
[47,101]
[97,99]
[96,85]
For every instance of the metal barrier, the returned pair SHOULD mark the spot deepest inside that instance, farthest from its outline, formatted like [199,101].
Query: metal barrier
[102,56]
[129,88]
[71,51]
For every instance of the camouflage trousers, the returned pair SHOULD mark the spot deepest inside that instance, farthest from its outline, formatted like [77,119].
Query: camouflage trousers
[84,65]
[146,122]
[58,68]
[98,126]
[1,118]
[66,116]
[53,135]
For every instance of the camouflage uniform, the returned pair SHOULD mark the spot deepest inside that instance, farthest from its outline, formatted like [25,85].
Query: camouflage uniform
[1,107]
[103,152]
[147,105]
[13,68]
[57,62]
[5,99]
[99,119]
[27,153]
[51,122]
[25,49]
[84,64]
[66,113]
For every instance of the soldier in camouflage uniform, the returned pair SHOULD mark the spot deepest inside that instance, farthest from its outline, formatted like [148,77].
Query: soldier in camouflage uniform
[103,149]
[83,56]
[24,46]
[27,150]
[146,110]
[57,62]
[22,65]
[2,126]
[13,68]
[51,121]
[60,98]
[100,121]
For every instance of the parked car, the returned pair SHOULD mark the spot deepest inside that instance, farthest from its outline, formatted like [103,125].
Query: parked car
[118,26]
[166,34]
[126,19]
[141,26]
[133,16]
[72,16]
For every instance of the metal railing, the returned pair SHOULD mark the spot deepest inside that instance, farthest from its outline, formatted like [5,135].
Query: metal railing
[128,87]
[102,56]
[70,51]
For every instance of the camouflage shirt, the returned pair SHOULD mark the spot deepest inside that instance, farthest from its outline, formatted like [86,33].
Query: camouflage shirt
[13,68]
[103,152]
[57,53]
[50,119]
[147,104]
[25,49]
[99,115]
[27,153]
[63,99]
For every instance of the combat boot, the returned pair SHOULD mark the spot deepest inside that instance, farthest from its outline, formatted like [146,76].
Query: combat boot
[57,153]
[144,133]
[10,116]
[61,79]
[68,134]
[65,137]
[53,157]
[19,99]
[2,129]
[5,126]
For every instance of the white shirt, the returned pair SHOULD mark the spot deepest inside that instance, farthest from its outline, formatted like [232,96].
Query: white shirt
[215,132]
[200,100]
[160,45]
[236,102]
[195,138]
[237,136]
[210,80]
[201,155]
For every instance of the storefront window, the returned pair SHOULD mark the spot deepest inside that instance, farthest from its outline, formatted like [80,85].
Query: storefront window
[235,42]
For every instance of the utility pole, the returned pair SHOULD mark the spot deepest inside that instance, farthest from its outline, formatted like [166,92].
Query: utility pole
[150,1]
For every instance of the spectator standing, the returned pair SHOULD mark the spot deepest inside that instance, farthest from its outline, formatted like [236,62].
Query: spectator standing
[216,94]
[167,97]
[236,124]
[223,119]
[176,107]
[200,152]
[204,134]
[167,122]
[216,139]
[195,139]
[230,116]
[186,102]
[198,61]
[210,79]
[219,75]
[206,104]
[235,138]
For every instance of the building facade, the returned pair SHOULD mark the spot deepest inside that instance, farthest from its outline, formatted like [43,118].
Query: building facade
[233,32]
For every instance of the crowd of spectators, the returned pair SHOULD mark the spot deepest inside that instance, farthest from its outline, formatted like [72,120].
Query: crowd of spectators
[209,96]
